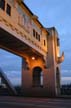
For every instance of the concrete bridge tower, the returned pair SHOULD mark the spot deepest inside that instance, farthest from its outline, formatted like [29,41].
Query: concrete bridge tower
[41,77]
[23,34]
[53,61]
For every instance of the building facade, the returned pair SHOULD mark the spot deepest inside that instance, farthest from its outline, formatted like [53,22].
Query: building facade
[23,34]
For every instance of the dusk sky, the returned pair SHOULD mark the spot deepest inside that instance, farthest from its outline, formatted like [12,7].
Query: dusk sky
[55,13]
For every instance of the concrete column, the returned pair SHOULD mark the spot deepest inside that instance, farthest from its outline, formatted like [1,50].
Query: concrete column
[52,63]
[26,76]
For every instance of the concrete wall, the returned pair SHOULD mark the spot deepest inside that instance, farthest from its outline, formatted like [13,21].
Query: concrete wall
[52,63]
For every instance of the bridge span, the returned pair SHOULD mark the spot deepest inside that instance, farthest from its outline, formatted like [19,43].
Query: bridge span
[23,34]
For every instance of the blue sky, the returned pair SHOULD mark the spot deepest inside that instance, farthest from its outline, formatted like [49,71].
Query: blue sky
[51,13]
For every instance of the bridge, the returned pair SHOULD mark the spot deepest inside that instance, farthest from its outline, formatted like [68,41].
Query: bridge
[14,102]
[23,34]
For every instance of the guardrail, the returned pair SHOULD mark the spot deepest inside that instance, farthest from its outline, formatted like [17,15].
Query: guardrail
[8,83]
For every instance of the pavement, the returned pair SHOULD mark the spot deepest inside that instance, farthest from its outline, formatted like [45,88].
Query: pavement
[22,102]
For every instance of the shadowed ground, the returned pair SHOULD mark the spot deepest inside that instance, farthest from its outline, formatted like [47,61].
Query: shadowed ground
[20,102]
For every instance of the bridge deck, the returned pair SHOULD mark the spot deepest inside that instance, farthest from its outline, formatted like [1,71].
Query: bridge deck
[16,102]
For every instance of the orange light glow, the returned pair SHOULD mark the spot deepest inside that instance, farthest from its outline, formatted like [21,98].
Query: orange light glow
[33,58]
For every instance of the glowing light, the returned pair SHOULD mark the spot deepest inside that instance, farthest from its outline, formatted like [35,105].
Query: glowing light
[33,58]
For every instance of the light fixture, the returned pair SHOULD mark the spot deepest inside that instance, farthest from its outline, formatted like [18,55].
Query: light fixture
[33,58]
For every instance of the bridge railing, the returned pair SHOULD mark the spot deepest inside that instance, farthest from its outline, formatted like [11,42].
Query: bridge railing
[8,83]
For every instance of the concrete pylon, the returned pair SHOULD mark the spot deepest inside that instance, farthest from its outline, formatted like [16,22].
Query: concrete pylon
[52,64]
[49,67]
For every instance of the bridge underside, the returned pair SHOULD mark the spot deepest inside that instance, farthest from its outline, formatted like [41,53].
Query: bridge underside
[42,83]
[14,45]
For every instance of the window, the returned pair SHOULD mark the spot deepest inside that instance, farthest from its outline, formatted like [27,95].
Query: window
[39,37]
[2,4]
[34,33]
[58,43]
[8,10]
[44,42]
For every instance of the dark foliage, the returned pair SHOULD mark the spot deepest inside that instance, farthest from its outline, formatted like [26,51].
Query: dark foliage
[66,89]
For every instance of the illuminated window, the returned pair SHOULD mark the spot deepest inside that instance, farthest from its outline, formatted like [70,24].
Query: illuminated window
[2,4]
[8,10]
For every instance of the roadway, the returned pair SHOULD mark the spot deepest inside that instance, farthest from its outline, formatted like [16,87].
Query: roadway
[20,102]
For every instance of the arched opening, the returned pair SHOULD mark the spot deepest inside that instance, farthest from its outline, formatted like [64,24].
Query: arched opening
[37,77]
[58,76]
[58,80]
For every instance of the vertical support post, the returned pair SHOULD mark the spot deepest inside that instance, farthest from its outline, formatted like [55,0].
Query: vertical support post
[52,62]
[26,76]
